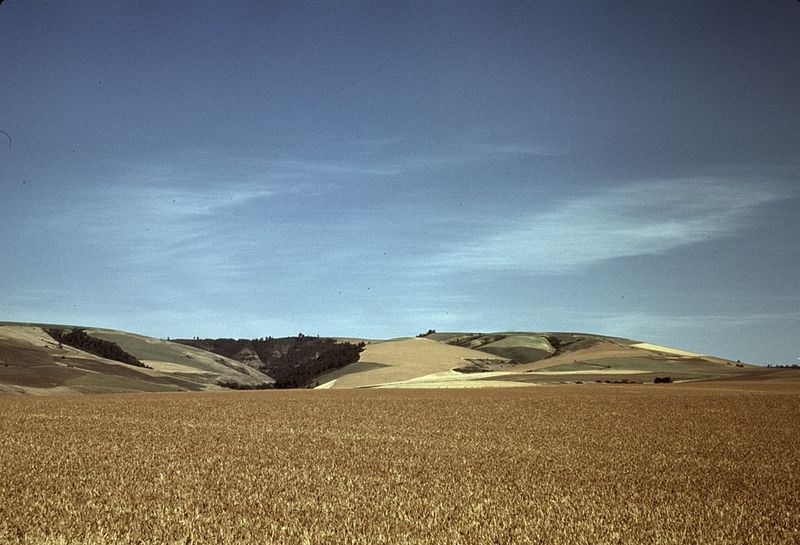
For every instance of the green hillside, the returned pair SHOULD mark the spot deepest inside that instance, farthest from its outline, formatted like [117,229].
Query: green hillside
[553,357]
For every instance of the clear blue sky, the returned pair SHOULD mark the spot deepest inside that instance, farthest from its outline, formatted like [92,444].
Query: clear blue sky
[377,169]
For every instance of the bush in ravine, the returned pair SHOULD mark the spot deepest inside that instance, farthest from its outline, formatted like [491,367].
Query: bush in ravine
[294,362]
[662,380]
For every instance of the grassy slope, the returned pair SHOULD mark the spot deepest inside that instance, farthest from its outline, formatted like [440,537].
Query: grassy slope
[526,347]
[424,362]
[520,347]
[614,355]
[151,350]
[400,360]
[32,362]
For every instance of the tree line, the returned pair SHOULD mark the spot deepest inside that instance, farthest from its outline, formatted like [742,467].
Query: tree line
[293,362]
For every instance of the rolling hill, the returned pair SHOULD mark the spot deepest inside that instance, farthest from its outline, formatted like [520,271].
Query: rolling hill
[33,362]
[440,360]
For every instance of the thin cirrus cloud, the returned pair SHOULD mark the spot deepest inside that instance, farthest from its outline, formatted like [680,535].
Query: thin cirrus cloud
[644,324]
[511,148]
[390,159]
[389,164]
[640,218]
[167,226]
[188,202]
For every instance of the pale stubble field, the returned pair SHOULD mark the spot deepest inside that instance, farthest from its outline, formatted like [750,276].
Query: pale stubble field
[560,464]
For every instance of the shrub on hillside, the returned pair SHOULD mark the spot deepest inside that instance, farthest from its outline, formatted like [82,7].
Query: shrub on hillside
[233,385]
[78,338]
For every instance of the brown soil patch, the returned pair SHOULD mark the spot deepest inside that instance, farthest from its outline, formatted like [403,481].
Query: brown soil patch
[17,354]
[22,364]
[38,377]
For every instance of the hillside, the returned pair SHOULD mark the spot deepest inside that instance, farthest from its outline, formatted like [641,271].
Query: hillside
[294,362]
[406,362]
[33,362]
[440,360]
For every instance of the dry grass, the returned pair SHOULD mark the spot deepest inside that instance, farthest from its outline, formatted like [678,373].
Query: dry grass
[572,464]
[32,362]
[401,360]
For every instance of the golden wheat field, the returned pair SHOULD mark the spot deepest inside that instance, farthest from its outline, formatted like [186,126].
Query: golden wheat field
[587,464]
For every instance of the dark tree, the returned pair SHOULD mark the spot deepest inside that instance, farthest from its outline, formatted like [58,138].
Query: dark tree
[78,338]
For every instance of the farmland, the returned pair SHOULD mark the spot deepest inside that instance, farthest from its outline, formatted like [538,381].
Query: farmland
[703,462]
[32,361]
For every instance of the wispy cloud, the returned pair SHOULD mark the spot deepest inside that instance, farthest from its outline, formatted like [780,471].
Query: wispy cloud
[392,157]
[367,160]
[337,168]
[158,233]
[640,218]
[649,325]
[521,148]
[181,202]
[750,336]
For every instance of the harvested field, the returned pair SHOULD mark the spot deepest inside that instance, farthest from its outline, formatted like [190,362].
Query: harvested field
[401,360]
[571,464]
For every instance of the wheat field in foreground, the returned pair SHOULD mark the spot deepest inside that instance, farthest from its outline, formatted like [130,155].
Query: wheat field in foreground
[567,464]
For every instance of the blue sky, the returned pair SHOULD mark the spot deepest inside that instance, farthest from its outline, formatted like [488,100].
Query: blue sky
[378,169]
